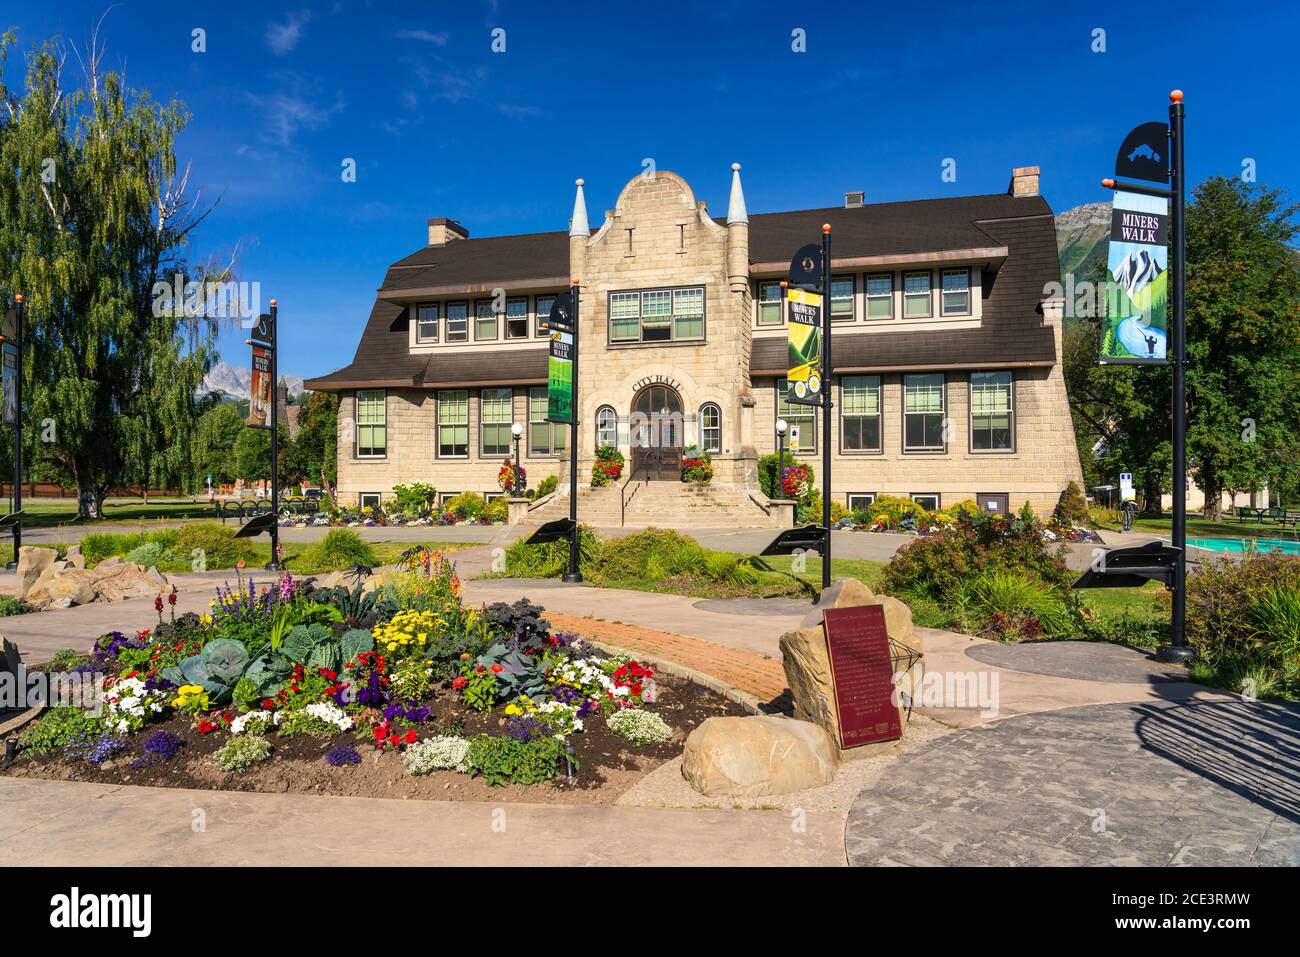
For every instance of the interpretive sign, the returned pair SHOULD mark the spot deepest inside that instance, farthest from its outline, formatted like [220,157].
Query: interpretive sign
[862,670]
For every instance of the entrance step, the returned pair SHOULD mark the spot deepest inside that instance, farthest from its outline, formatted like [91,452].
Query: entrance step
[658,504]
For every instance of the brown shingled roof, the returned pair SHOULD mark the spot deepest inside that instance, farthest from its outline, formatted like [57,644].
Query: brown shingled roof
[1012,332]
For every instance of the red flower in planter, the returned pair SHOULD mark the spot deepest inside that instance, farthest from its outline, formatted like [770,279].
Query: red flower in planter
[459,682]
[497,669]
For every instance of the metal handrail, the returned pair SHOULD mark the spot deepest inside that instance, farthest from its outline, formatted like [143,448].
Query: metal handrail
[623,495]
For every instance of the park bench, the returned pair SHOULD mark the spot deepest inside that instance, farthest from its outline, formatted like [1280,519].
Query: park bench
[1291,518]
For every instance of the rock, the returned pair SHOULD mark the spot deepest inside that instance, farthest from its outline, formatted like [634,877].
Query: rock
[59,564]
[73,550]
[757,756]
[332,580]
[77,561]
[33,562]
[807,664]
[373,583]
[123,580]
[154,574]
[70,587]
[110,560]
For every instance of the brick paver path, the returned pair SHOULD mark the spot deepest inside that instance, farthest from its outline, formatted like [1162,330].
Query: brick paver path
[746,671]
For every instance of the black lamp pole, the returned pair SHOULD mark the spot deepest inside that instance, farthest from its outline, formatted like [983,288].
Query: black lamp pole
[21,315]
[573,576]
[1178,649]
[274,564]
[517,432]
[827,387]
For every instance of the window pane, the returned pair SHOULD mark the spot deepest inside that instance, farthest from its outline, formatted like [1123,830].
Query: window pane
[457,321]
[923,393]
[916,290]
[517,318]
[496,415]
[543,311]
[842,298]
[711,428]
[656,303]
[372,432]
[769,307]
[880,285]
[804,416]
[453,422]
[606,426]
[485,325]
[992,424]
[427,322]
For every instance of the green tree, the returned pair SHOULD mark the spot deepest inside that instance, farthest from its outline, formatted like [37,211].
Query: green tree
[95,219]
[253,454]
[317,443]
[213,451]
[1243,342]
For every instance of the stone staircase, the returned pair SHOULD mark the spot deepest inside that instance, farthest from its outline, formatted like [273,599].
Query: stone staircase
[658,504]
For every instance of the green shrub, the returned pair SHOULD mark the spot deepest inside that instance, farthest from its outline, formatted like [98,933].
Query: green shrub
[97,546]
[502,760]
[1244,614]
[241,752]
[639,727]
[966,508]
[894,509]
[497,510]
[467,506]
[547,485]
[219,547]
[415,498]
[66,660]
[550,560]
[57,728]
[10,605]
[1071,507]
[339,549]
[1009,606]
[653,553]
[150,553]
[733,570]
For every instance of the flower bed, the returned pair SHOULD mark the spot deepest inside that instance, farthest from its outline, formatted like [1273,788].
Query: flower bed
[905,517]
[400,691]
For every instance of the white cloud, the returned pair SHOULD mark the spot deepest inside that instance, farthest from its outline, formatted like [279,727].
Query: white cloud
[424,36]
[283,37]
[293,108]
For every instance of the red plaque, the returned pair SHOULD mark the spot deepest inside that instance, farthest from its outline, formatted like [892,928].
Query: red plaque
[862,668]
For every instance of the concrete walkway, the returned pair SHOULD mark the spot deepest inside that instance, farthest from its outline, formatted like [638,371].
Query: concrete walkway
[66,823]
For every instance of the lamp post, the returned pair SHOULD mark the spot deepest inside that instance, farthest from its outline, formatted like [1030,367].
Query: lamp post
[781,428]
[517,431]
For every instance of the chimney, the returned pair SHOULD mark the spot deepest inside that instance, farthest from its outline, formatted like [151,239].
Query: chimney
[443,230]
[855,200]
[1024,181]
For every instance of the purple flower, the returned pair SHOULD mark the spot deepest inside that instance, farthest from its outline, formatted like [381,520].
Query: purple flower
[342,756]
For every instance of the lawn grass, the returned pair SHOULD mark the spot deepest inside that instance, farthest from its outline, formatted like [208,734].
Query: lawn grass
[50,514]
[1199,527]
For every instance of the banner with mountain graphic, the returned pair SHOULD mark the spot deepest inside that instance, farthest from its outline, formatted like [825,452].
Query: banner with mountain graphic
[1136,329]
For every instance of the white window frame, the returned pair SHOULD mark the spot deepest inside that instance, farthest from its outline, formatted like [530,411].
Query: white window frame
[421,322]
[440,424]
[779,302]
[479,319]
[452,333]
[556,430]
[512,320]
[606,427]
[483,421]
[705,444]
[359,425]
[809,440]
[879,416]
[657,319]
[942,412]
[944,293]
[853,298]
[542,314]
[938,500]
[871,297]
[852,497]
[1011,412]
[916,296]
[378,499]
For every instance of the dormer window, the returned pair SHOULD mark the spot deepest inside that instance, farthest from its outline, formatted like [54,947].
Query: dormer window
[426,325]
[916,295]
[517,318]
[956,292]
[457,321]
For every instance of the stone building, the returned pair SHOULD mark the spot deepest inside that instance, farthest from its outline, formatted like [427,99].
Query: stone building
[946,380]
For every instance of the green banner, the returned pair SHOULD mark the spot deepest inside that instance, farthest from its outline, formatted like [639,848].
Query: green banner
[559,378]
[804,378]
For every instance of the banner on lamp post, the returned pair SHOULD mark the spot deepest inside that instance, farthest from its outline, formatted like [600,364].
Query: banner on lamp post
[261,393]
[804,340]
[559,363]
[1136,331]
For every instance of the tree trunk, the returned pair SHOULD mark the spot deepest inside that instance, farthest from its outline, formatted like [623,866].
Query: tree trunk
[90,499]
[1151,492]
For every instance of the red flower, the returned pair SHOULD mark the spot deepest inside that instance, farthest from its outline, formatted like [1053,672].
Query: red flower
[409,737]
[171,598]
[267,704]
[157,603]
[636,691]
[497,669]
[459,682]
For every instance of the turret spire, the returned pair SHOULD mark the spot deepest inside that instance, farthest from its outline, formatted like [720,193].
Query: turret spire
[736,206]
[578,224]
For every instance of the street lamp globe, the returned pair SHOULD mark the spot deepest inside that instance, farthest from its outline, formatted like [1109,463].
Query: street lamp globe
[781,426]
[516,430]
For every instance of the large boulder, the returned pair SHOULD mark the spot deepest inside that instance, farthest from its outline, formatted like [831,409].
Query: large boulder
[68,588]
[807,662]
[125,580]
[757,756]
[33,562]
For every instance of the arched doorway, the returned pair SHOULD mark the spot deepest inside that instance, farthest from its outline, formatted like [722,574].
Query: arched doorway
[656,427]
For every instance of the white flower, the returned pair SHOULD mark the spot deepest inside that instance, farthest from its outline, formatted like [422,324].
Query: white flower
[240,723]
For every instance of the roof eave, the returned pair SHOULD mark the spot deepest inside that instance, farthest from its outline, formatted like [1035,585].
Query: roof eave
[995,255]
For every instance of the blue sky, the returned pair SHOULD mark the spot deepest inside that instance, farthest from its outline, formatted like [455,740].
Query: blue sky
[440,125]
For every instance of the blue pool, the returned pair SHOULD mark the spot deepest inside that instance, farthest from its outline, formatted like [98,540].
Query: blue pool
[1245,544]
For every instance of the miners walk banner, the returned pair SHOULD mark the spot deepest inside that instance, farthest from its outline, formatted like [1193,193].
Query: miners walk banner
[559,363]
[261,392]
[1136,329]
[804,338]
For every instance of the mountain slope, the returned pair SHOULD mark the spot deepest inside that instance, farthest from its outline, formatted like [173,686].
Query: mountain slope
[236,381]
[1081,235]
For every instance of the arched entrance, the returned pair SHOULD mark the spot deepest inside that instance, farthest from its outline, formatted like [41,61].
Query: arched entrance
[656,427]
